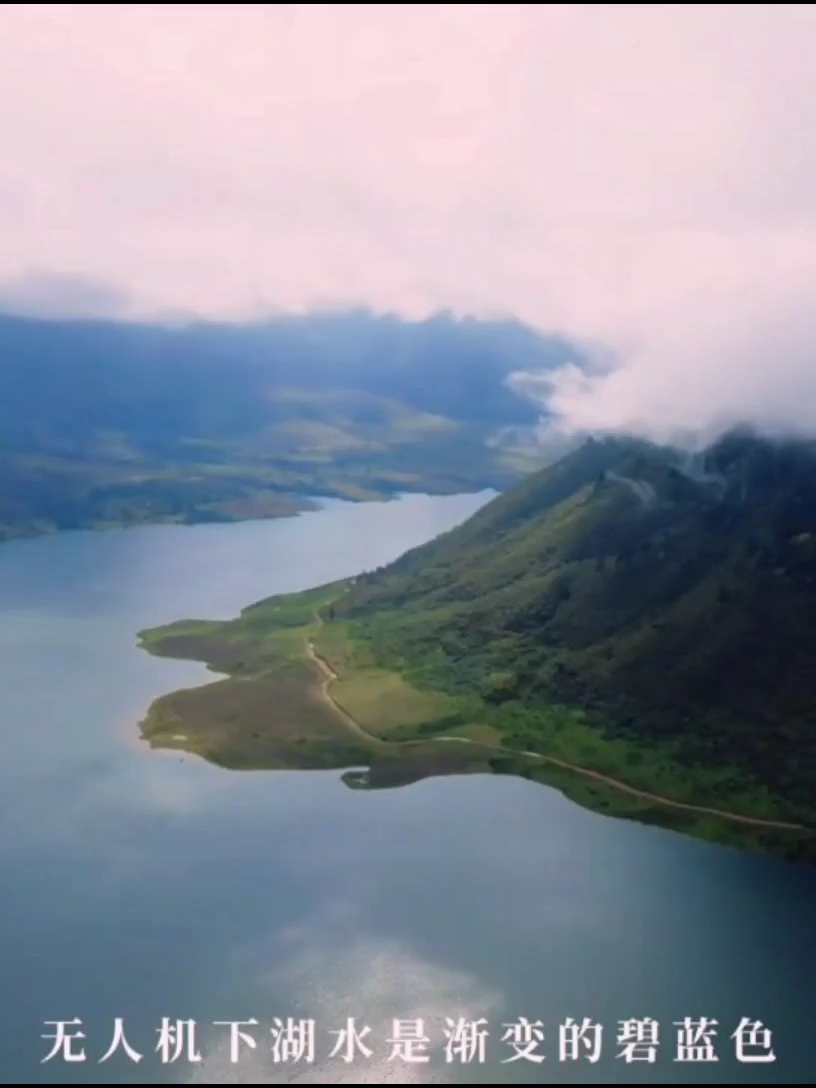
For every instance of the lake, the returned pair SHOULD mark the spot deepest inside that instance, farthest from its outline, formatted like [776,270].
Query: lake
[141,885]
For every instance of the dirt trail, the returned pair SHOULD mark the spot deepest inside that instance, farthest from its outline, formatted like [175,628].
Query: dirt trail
[328,676]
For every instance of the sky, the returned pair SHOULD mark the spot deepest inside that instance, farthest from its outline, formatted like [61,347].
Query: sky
[642,178]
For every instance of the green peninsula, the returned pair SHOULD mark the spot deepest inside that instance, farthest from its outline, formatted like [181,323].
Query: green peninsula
[611,626]
[278,705]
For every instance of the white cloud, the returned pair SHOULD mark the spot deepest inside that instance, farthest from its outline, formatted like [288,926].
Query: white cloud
[638,175]
[34,294]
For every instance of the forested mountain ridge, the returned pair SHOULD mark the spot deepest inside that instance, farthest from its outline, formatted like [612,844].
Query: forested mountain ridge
[670,599]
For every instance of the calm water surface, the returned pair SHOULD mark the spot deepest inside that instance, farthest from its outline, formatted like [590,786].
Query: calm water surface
[139,885]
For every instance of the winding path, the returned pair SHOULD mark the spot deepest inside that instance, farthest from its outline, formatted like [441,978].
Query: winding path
[328,676]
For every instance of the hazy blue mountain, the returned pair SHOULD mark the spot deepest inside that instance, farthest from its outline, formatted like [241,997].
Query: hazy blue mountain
[107,422]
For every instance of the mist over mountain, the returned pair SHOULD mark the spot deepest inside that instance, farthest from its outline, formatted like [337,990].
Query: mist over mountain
[640,176]
[668,598]
[74,375]
[105,422]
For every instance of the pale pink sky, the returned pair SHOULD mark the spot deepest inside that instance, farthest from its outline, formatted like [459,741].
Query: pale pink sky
[641,175]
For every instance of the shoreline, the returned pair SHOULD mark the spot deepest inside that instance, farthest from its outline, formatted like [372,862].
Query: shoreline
[270,666]
[312,503]
[330,676]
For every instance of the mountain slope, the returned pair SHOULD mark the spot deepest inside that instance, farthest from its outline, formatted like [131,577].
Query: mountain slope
[668,601]
[104,422]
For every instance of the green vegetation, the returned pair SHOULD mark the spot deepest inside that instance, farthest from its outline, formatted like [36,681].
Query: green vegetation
[630,614]
[628,628]
[270,711]
[105,424]
[45,495]
[269,474]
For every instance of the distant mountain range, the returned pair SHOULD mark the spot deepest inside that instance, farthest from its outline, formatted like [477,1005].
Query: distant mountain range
[667,601]
[106,423]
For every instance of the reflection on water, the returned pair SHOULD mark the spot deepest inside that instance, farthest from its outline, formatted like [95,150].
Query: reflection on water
[142,885]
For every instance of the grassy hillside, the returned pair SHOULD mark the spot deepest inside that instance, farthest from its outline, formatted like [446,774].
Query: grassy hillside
[270,712]
[670,603]
[629,625]
[104,423]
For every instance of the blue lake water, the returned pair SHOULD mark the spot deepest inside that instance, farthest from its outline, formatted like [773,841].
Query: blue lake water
[139,885]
